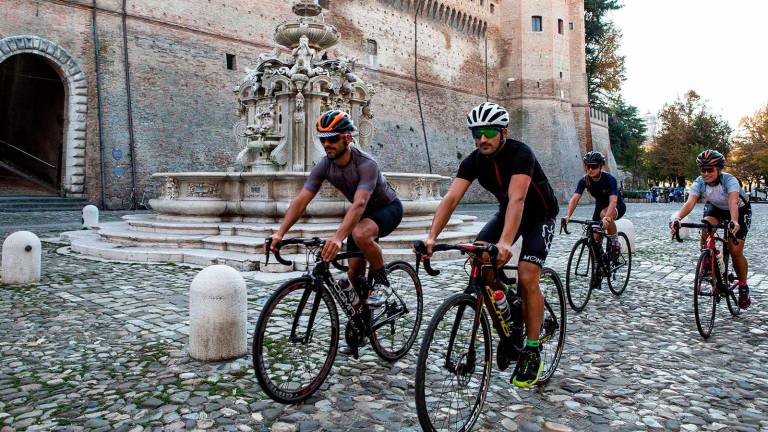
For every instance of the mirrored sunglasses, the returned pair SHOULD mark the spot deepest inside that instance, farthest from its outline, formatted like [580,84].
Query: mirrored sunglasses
[486,132]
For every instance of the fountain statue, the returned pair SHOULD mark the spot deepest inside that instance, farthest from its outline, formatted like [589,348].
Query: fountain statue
[223,217]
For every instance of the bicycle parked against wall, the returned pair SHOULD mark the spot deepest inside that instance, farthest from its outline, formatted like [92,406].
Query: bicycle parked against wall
[454,365]
[593,259]
[712,279]
[297,334]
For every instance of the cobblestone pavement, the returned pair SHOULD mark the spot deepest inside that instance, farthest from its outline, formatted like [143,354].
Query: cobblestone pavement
[101,346]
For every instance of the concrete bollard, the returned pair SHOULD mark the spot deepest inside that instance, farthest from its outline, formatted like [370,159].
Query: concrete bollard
[218,314]
[684,232]
[22,256]
[90,216]
[627,227]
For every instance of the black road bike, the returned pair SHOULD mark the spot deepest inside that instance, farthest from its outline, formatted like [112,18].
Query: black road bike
[711,284]
[592,259]
[297,334]
[454,365]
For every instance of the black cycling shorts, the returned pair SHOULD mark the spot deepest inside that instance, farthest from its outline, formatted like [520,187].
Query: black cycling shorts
[387,218]
[537,237]
[745,217]
[621,208]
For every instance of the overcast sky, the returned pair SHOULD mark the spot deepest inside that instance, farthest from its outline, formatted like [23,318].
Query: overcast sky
[715,47]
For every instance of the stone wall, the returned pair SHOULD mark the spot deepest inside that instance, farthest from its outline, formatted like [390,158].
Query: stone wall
[184,108]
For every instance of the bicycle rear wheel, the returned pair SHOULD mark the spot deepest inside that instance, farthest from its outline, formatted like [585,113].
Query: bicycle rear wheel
[396,324]
[704,297]
[451,380]
[580,275]
[552,336]
[621,266]
[291,363]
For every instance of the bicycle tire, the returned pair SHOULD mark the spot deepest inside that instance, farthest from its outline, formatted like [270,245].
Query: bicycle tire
[277,381]
[405,295]
[553,330]
[625,258]
[430,416]
[704,296]
[576,296]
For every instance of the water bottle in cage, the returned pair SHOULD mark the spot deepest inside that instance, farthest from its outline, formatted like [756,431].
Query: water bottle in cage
[720,262]
[348,290]
[503,305]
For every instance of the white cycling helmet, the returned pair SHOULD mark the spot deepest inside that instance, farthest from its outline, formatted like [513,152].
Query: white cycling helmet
[488,114]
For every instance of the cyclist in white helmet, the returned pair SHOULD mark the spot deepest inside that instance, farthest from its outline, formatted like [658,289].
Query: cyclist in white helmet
[527,208]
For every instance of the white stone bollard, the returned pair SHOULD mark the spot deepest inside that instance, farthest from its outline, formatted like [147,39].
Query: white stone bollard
[22,256]
[684,232]
[627,227]
[90,216]
[218,314]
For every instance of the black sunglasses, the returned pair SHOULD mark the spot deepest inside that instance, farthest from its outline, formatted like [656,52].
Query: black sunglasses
[331,139]
[706,170]
[593,166]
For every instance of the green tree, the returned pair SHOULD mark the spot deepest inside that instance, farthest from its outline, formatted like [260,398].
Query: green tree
[750,153]
[605,67]
[687,127]
[627,131]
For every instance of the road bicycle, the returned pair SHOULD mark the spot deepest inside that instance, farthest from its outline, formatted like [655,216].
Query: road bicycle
[711,283]
[297,334]
[593,259]
[454,365]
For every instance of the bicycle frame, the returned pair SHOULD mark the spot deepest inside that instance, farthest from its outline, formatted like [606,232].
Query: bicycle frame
[321,278]
[711,239]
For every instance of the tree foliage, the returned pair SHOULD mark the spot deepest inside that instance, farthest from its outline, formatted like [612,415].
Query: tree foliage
[627,130]
[749,158]
[687,127]
[605,67]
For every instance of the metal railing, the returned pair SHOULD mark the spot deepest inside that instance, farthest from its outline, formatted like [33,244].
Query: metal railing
[27,154]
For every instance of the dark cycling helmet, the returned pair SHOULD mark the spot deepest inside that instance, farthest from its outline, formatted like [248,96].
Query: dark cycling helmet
[710,158]
[333,123]
[594,157]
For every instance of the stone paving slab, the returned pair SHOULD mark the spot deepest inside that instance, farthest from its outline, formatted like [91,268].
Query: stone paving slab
[101,346]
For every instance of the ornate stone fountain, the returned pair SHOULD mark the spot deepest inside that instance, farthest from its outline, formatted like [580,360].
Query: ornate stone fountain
[215,217]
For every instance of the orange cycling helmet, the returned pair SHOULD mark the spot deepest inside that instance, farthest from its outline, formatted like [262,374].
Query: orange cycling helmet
[334,122]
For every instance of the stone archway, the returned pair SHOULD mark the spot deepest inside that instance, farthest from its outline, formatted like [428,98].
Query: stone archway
[75,103]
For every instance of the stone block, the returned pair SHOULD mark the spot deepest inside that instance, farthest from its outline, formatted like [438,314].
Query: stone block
[218,314]
[22,258]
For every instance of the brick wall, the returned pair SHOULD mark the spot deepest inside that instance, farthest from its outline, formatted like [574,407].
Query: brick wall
[184,108]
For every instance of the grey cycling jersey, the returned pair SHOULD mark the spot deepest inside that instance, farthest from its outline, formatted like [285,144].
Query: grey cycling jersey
[717,195]
[361,173]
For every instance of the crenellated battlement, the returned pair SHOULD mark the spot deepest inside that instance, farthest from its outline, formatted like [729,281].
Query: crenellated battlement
[470,17]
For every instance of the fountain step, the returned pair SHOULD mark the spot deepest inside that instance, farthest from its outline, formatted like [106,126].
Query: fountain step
[90,243]
[418,226]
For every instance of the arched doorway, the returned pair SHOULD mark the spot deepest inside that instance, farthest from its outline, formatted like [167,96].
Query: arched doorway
[71,165]
[32,117]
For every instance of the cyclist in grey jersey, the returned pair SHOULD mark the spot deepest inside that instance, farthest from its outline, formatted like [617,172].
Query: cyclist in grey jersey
[724,200]
[375,211]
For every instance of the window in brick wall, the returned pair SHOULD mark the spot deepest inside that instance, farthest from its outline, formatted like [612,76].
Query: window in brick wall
[372,49]
[481,2]
[324,4]
[492,7]
[560,26]
[536,23]
[231,62]
[570,25]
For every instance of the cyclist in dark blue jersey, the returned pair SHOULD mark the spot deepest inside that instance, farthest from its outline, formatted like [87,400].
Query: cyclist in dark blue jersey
[604,188]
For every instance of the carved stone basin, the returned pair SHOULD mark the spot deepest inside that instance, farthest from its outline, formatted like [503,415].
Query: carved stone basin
[265,197]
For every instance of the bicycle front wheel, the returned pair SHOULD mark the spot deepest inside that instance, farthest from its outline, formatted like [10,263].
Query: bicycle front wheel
[580,275]
[452,372]
[292,357]
[552,335]
[396,324]
[621,266]
[704,297]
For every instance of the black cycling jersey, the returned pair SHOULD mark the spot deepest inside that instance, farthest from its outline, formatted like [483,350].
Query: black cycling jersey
[601,189]
[495,172]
